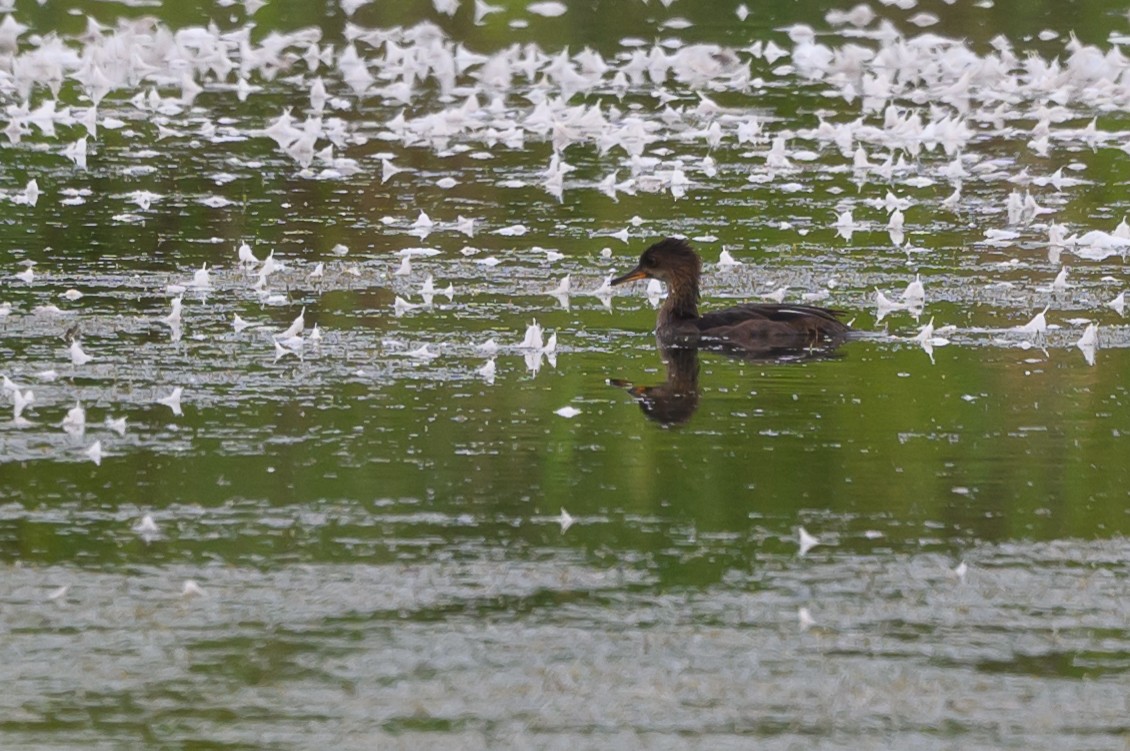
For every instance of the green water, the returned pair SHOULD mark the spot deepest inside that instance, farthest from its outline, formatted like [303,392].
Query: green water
[381,539]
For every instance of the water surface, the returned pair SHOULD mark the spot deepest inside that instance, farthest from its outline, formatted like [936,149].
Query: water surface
[368,540]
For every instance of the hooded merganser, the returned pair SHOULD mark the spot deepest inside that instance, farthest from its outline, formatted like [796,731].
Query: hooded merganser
[753,328]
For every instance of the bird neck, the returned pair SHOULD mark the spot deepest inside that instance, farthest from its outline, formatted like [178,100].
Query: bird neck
[682,367]
[682,300]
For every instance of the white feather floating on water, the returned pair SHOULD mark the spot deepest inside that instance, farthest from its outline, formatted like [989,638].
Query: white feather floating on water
[290,346]
[1037,326]
[246,257]
[270,266]
[1118,304]
[1088,343]
[465,226]
[30,196]
[565,519]
[400,306]
[483,9]
[727,261]
[297,326]
[389,170]
[76,152]
[896,222]
[172,401]
[21,400]
[1090,337]
[174,316]
[807,542]
[886,305]
[146,528]
[429,290]
[533,339]
[447,7]
[487,371]
[118,425]
[75,420]
[547,8]
[605,289]
[928,338]
[534,347]
[514,230]
[422,353]
[191,589]
[926,333]
[200,278]
[1060,282]
[915,293]
[845,224]
[78,356]
[778,295]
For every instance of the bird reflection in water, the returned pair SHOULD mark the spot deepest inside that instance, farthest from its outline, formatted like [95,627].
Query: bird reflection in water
[674,401]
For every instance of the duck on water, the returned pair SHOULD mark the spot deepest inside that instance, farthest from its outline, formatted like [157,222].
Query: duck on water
[758,329]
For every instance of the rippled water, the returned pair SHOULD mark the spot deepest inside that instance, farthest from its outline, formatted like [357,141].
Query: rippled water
[371,541]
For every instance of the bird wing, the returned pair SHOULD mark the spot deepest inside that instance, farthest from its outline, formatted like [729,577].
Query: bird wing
[798,317]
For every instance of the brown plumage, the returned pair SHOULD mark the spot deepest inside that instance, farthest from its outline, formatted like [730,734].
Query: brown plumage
[755,328]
